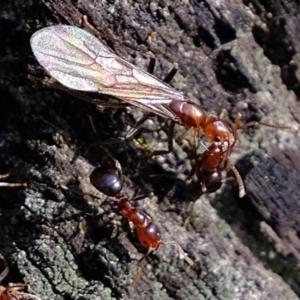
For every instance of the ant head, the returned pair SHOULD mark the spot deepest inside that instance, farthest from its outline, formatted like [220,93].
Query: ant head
[107,181]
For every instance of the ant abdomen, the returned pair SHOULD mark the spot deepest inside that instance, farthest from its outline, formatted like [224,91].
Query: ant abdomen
[190,114]
[150,236]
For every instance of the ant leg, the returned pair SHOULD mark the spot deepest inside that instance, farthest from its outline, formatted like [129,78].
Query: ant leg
[274,126]
[131,132]
[235,128]
[3,176]
[86,24]
[239,179]
[181,252]
[141,263]
[188,217]
[162,152]
[254,123]
[171,74]
[151,65]
[4,274]
[117,163]
[11,288]
[236,125]
[170,142]
[223,113]
[17,287]
[8,184]
[139,123]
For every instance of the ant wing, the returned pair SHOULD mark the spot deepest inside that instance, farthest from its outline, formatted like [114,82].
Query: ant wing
[79,61]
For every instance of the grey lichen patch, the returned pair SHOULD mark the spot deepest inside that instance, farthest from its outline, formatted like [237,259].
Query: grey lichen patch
[58,264]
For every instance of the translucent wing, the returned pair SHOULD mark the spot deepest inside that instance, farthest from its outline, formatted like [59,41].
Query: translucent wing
[79,61]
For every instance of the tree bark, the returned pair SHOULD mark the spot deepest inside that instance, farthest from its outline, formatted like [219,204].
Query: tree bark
[240,56]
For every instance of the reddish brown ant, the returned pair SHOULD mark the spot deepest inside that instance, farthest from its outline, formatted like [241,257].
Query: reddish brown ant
[109,182]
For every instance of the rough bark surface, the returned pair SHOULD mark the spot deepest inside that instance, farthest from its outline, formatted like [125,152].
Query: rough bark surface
[239,55]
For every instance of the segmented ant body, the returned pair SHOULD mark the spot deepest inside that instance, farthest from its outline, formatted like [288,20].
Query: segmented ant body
[110,183]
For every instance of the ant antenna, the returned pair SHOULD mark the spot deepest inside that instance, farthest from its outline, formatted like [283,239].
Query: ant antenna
[239,179]
[181,252]
[141,262]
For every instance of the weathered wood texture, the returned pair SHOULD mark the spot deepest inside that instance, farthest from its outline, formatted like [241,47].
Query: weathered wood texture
[239,55]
